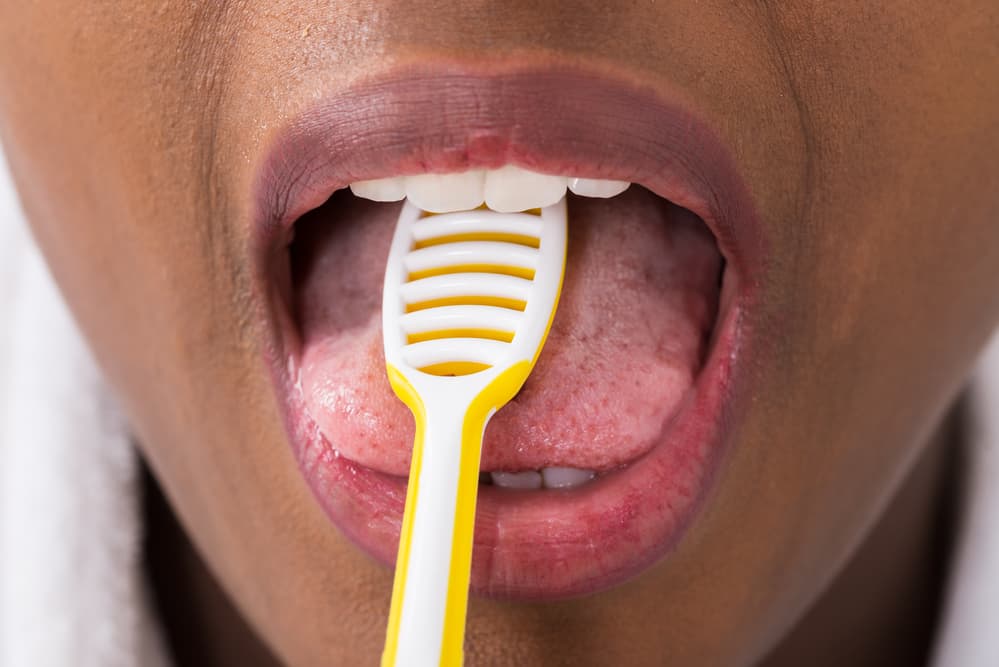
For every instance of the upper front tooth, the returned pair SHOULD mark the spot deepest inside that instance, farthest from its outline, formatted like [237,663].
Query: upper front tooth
[565,478]
[511,189]
[597,187]
[443,193]
[508,189]
[381,189]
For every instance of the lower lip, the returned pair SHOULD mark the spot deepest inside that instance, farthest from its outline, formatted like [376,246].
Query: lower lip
[546,544]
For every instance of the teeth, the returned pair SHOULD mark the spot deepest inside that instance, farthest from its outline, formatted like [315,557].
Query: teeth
[530,479]
[549,478]
[508,189]
[442,193]
[565,478]
[595,187]
[381,189]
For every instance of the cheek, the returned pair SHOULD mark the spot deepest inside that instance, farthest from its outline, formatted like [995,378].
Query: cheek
[106,162]
[881,294]
[124,190]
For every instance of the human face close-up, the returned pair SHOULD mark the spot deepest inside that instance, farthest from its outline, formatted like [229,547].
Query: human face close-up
[754,345]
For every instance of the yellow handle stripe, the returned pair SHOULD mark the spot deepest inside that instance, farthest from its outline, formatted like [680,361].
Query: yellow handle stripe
[500,391]
[497,394]
[411,398]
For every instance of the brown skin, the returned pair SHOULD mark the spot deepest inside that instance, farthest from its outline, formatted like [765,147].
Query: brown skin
[869,140]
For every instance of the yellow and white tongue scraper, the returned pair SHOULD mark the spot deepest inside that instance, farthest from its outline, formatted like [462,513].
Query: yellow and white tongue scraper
[469,299]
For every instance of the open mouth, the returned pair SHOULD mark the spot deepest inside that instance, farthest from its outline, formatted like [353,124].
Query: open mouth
[638,306]
[591,473]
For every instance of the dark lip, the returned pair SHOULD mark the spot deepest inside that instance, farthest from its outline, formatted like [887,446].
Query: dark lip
[449,117]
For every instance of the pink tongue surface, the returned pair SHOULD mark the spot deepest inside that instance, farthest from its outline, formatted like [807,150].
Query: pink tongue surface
[637,307]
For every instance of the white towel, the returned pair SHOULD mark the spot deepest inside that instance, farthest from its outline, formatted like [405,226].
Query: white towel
[72,588]
[969,634]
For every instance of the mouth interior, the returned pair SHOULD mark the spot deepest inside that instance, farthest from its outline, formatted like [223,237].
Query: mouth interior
[640,302]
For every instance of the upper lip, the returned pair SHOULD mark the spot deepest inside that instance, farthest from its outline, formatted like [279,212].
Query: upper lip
[564,120]
[453,118]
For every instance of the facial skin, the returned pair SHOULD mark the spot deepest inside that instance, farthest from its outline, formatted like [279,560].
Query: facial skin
[868,139]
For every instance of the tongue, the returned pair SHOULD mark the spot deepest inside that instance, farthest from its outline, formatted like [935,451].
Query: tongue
[638,303]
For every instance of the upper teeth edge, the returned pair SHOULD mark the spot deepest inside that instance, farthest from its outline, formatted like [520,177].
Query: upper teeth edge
[508,189]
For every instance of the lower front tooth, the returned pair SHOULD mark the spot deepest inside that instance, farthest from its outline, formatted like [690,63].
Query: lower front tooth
[529,479]
[565,478]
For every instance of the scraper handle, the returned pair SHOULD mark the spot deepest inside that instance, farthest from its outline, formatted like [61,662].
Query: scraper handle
[430,594]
